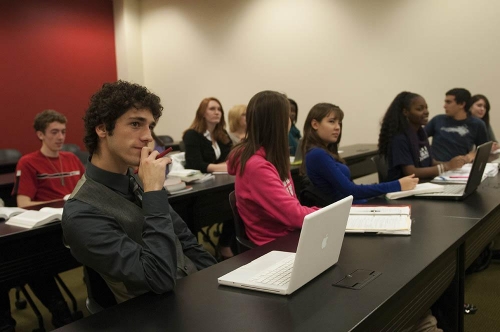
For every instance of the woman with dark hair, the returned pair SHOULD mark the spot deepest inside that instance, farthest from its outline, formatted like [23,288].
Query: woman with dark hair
[404,143]
[480,108]
[207,145]
[265,194]
[323,166]
[294,132]
[206,142]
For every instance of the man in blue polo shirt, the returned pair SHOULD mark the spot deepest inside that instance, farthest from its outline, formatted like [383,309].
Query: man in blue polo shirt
[456,132]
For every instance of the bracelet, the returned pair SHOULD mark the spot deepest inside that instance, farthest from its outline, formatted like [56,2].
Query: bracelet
[440,169]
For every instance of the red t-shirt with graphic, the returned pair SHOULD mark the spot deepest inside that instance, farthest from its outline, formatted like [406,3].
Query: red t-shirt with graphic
[43,178]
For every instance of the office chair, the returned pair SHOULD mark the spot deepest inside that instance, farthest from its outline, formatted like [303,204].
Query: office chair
[99,296]
[9,154]
[83,156]
[381,165]
[310,195]
[70,147]
[243,243]
[166,139]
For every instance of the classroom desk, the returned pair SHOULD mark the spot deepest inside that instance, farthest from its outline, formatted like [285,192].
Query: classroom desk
[27,253]
[416,271]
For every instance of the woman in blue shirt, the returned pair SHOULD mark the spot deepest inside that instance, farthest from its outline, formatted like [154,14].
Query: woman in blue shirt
[404,143]
[322,164]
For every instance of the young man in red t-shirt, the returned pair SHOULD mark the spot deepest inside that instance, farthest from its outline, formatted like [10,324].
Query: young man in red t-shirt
[45,175]
[49,173]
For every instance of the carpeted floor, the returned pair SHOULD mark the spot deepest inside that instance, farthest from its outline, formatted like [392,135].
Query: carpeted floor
[482,289]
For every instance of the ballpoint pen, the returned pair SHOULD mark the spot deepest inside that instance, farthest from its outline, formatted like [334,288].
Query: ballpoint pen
[161,155]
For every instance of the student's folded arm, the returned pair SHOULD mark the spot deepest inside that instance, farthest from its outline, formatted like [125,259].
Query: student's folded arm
[269,192]
[96,240]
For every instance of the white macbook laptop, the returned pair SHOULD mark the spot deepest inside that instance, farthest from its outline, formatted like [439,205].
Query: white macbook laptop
[318,249]
[460,191]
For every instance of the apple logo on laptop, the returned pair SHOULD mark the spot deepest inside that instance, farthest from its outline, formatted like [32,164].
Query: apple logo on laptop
[323,244]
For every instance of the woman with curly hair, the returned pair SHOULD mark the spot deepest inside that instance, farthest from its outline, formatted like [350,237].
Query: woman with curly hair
[404,143]
[206,141]
[323,166]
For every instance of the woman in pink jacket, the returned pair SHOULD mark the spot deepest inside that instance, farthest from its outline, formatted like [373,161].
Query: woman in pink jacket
[265,194]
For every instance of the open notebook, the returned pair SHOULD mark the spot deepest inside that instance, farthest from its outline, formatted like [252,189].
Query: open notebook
[32,218]
[9,212]
[318,249]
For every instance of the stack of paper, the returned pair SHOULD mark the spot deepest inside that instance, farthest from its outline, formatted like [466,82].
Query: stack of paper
[462,175]
[187,175]
[393,220]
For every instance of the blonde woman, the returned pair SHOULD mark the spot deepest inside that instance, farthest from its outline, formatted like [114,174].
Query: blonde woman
[237,123]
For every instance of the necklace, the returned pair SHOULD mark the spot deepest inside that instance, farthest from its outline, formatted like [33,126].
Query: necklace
[54,167]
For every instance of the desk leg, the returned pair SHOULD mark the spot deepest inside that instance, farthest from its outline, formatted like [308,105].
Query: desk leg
[449,308]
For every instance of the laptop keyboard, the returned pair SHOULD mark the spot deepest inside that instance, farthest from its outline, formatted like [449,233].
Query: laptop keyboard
[278,274]
[453,189]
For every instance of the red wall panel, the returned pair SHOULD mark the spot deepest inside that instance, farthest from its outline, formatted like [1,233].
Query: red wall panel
[54,54]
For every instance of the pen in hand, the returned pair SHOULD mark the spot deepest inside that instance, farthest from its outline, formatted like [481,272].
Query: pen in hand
[161,155]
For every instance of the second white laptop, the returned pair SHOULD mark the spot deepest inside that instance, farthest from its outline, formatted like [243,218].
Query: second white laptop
[318,249]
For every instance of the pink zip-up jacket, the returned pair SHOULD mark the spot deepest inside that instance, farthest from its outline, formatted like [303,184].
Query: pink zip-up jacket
[267,205]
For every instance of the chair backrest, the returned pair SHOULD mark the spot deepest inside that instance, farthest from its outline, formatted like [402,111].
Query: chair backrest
[99,296]
[182,146]
[70,147]
[10,154]
[310,195]
[166,139]
[381,165]
[243,243]
[83,156]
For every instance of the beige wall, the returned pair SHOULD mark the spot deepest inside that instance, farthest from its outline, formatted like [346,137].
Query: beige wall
[356,54]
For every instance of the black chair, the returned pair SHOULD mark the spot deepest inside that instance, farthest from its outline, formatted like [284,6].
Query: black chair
[381,165]
[166,139]
[182,146]
[312,196]
[99,296]
[9,154]
[83,156]
[243,243]
[70,147]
